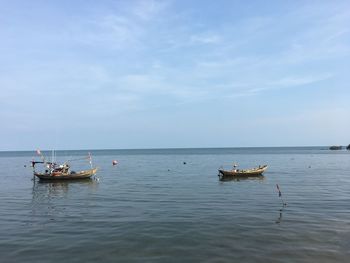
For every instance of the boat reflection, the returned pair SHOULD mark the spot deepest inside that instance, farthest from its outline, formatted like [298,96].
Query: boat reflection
[51,189]
[239,179]
[52,200]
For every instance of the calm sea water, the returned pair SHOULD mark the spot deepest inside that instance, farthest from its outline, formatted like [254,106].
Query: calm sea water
[152,207]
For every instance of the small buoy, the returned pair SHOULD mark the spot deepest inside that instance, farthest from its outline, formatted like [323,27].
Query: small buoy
[114,162]
[184,162]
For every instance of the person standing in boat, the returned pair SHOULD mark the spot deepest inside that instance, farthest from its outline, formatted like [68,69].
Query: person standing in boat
[234,167]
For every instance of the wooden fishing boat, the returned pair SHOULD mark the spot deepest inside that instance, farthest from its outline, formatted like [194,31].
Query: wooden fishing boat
[243,173]
[54,171]
[71,175]
[336,147]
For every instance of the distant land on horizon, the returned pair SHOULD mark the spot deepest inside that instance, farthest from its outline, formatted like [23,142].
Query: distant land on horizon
[177,148]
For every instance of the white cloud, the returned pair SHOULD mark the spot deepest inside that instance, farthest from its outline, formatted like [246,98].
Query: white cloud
[293,81]
[149,9]
[120,28]
[145,55]
[205,39]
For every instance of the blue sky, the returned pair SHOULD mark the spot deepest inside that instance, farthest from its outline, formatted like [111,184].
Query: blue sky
[158,74]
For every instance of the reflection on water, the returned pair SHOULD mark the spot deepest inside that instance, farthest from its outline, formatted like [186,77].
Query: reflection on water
[279,219]
[51,189]
[51,200]
[239,179]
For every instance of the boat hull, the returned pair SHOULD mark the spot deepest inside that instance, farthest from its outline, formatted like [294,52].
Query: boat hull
[67,176]
[243,173]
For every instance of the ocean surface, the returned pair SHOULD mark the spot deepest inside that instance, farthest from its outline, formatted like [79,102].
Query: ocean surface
[153,207]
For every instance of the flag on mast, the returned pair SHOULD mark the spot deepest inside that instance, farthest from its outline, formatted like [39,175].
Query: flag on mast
[41,155]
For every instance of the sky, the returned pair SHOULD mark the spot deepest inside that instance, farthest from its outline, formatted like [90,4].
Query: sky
[173,74]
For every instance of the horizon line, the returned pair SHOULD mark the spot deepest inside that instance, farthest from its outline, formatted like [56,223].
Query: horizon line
[172,148]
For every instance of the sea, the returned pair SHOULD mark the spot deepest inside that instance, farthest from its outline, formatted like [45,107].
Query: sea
[168,205]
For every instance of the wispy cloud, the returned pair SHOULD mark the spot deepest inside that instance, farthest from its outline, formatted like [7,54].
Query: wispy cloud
[297,81]
[124,57]
[119,28]
[149,9]
[205,39]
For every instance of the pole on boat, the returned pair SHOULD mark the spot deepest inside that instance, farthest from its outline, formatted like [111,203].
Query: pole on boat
[280,195]
[90,160]
[33,166]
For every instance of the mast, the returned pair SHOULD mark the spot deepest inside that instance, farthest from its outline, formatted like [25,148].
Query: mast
[90,160]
